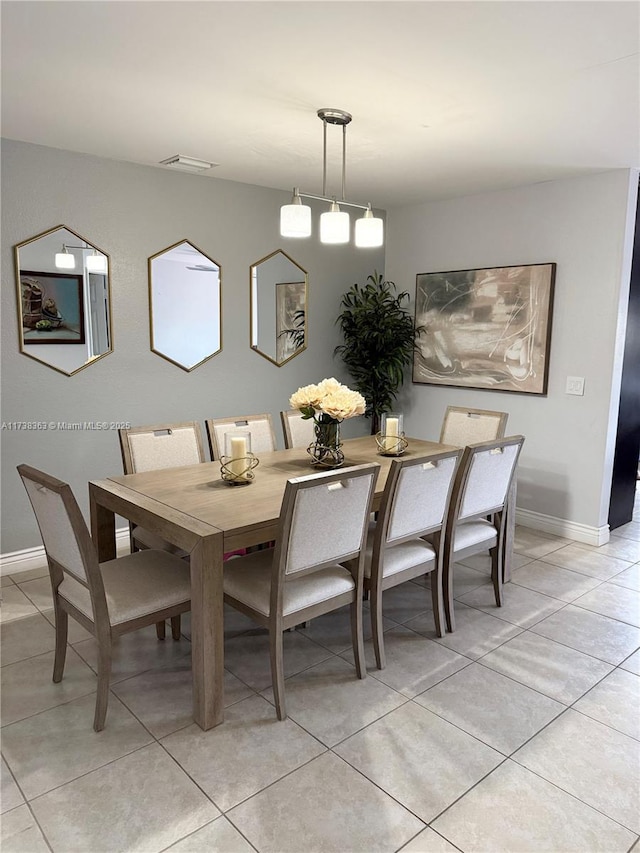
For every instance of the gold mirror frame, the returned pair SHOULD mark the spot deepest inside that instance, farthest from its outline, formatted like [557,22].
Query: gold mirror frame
[166,348]
[73,307]
[287,307]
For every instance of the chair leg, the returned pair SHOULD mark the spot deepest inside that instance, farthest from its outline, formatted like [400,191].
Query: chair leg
[357,641]
[496,575]
[161,630]
[277,672]
[175,627]
[447,582]
[62,628]
[376,628]
[104,676]
[437,601]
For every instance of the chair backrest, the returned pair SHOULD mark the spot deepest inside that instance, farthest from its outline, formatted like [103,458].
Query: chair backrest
[469,426]
[323,520]
[484,478]
[263,438]
[148,448]
[298,432]
[416,497]
[67,542]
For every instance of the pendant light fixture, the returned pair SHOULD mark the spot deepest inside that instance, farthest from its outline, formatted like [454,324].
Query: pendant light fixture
[335,226]
[96,262]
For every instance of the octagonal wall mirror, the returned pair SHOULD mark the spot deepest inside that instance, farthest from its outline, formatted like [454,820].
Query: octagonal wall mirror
[64,300]
[185,305]
[278,308]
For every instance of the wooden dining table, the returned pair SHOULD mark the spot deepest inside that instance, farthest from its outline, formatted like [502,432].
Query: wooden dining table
[195,510]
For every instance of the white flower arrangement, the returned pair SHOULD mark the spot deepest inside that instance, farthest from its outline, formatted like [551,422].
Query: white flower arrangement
[328,401]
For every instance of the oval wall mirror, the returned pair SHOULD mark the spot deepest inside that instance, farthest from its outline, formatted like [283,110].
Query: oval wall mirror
[185,305]
[278,308]
[64,300]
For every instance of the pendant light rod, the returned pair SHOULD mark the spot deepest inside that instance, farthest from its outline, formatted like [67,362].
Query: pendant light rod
[299,192]
[324,157]
[329,115]
[344,159]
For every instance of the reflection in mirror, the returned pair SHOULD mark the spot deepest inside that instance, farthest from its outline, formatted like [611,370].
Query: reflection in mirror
[64,302]
[184,297]
[278,308]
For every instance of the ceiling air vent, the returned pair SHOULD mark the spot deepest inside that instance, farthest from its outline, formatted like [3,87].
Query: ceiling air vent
[187,164]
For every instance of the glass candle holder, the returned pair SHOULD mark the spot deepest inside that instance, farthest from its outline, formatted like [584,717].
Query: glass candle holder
[238,462]
[390,439]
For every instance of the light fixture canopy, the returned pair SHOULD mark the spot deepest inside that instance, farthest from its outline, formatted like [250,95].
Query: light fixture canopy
[187,164]
[295,218]
[65,260]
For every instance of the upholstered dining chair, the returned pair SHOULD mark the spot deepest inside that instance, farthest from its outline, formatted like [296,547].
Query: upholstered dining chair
[263,437]
[298,432]
[316,565]
[414,505]
[462,426]
[149,448]
[476,521]
[108,599]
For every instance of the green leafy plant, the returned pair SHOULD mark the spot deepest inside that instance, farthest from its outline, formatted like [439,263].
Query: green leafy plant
[297,333]
[379,342]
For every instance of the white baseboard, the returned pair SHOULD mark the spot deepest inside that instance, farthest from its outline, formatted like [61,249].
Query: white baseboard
[561,527]
[34,558]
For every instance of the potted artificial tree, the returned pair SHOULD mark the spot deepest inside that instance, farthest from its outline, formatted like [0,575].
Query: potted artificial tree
[379,342]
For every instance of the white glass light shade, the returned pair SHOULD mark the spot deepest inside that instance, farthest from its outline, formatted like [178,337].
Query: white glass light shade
[96,263]
[295,219]
[334,226]
[65,260]
[369,231]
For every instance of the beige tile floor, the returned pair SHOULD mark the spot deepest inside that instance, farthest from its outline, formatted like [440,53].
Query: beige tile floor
[520,732]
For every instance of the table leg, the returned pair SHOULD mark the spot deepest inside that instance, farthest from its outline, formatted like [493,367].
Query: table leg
[509,532]
[207,631]
[103,528]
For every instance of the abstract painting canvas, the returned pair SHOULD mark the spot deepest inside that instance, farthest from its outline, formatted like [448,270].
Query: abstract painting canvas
[290,318]
[485,328]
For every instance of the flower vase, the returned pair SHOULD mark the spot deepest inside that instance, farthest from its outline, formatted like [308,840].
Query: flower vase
[326,450]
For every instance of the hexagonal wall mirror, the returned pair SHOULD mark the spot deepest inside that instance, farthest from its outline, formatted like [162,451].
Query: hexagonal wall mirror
[64,300]
[278,308]
[185,305]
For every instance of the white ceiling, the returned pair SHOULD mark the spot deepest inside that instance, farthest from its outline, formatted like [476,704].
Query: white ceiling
[448,98]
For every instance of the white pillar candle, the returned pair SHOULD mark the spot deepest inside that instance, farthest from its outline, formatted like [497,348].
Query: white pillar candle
[391,435]
[238,461]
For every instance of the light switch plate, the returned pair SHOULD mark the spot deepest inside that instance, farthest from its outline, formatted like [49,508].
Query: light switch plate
[575,385]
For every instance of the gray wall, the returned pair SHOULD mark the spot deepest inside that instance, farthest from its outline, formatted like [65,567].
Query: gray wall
[133,212]
[584,225]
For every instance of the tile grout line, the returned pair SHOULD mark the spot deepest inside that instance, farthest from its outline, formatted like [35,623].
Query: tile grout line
[408,699]
[574,796]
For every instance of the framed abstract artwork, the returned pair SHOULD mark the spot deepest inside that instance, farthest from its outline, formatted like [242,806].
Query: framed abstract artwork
[290,318]
[486,328]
